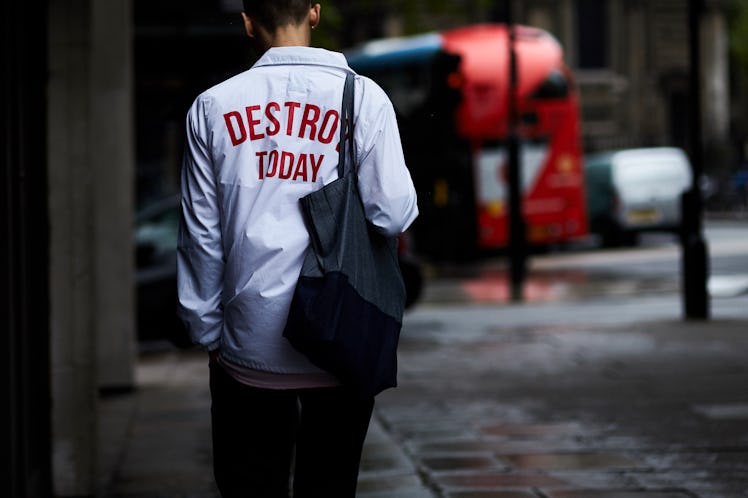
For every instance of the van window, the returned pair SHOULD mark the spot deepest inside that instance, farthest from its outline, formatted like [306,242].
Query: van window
[666,171]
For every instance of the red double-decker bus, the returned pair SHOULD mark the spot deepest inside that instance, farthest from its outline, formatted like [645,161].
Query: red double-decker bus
[451,92]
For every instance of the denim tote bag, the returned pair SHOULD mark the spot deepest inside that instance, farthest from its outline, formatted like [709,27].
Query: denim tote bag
[347,309]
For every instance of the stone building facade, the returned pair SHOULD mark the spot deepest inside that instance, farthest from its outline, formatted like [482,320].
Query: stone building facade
[631,60]
[632,64]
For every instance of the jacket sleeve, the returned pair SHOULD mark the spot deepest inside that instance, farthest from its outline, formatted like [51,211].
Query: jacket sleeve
[200,259]
[385,184]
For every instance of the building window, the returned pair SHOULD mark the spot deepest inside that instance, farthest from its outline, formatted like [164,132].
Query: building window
[592,34]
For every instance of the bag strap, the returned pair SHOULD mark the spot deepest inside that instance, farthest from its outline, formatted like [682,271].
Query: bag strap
[346,160]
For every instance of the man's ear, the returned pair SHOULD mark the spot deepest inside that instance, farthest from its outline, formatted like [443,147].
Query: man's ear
[314,15]
[248,25]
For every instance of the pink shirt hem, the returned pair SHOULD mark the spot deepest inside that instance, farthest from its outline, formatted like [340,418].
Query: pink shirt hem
[270,380]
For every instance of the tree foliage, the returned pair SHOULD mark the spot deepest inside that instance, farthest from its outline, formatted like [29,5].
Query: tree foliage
[355,21]
[739,34]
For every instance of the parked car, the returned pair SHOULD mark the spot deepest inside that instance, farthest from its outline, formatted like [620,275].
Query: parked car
[156,261]
[634,190]
[156,272]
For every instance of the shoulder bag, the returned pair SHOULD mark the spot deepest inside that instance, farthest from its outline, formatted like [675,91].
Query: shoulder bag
[347,309]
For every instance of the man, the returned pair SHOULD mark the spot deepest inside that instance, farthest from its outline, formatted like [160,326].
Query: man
[256,143]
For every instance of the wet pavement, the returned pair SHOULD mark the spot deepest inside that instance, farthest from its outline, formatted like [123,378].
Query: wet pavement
[537,400]
[654,408]
[592,388]
[155,442]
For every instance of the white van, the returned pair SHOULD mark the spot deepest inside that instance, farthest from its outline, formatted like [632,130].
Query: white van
[633,190]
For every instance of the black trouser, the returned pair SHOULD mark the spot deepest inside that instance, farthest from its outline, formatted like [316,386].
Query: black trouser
[256,431]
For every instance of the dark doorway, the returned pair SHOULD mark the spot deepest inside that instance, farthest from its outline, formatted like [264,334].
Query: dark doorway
[678,114]
[24,343]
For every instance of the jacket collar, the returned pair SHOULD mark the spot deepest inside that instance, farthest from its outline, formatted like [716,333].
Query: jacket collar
[303,56]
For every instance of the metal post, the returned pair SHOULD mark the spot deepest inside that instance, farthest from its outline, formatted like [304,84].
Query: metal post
[517,233]
[695,261]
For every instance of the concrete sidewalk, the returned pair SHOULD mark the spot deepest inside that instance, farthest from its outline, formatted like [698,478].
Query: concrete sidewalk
[532,401]
[155,442]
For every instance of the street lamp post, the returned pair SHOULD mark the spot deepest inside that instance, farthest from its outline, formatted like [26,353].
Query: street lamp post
[695,267]
[517,231]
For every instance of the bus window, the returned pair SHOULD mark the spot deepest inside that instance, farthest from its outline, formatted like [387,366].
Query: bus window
[408,88]
[554,87]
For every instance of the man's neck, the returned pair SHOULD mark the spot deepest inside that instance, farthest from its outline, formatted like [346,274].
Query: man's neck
[291,36]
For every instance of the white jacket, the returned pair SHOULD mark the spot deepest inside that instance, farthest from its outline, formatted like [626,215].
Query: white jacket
[256,143]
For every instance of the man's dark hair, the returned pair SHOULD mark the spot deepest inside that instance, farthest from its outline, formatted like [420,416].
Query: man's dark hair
[274,13]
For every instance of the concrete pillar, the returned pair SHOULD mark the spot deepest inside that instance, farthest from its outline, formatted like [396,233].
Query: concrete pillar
[635,48]
[112,162]
[72,259]
[567,32]
[715,78]
[90,198]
